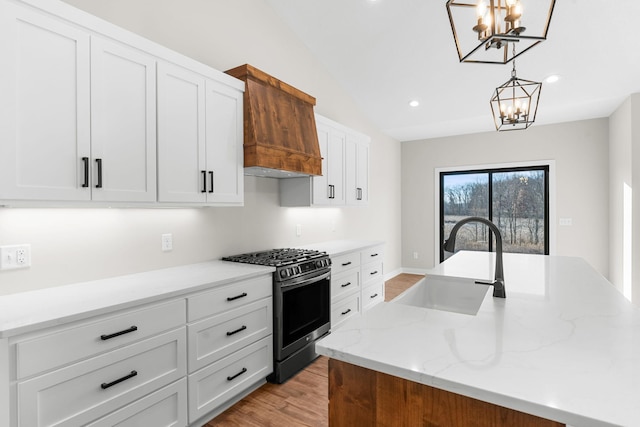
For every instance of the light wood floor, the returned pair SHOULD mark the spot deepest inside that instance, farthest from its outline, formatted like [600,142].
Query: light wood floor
[301,401]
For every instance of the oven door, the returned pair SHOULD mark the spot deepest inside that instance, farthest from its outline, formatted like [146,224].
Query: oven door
[302,312]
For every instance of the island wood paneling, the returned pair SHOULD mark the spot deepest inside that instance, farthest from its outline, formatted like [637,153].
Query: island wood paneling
[362,397]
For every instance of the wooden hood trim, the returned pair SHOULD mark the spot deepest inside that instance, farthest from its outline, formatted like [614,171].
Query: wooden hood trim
[279,124]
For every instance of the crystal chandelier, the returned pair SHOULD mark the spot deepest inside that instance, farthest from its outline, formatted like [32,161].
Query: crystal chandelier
[515,103]
[483,31]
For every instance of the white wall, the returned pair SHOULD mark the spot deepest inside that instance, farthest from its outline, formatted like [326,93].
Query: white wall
[73,245]
[580,152]
[624,205]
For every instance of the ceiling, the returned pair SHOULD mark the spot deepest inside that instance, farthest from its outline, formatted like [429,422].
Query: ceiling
[385,53]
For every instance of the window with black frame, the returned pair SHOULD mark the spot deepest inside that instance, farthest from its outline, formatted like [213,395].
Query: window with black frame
[515,199]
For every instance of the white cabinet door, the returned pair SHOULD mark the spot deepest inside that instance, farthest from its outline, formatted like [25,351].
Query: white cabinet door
[320,184]
[123,123]
[328,189]
[336,167]
[357,170]
[44,107]
[181,135]
[224,154]
[362,174]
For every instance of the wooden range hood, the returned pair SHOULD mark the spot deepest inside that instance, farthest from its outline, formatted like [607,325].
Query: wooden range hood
[280,136]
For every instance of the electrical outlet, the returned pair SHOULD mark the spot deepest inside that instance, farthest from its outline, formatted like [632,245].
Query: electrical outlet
[15,256]
[415,255]
[167,242]
[566,222]
[298,230]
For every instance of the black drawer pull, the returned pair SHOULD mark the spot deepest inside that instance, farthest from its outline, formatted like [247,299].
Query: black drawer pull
[236,331]
[204,181]
[85,160]
[233,377]
[119,380]
[373,296]
[242,295]
[344,264]
[374,272]
[372,255]
[99,163]
[345,312]
[117,334]
[345,285]
[211,181]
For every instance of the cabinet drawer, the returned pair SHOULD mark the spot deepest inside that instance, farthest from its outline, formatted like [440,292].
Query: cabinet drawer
[375,253]
[344,310]
[344,262]
[344,284]
[372,294]
[88,390]
[371,272]
[219,336]
[212,386]
[87,339]
[165,407]
[229,297]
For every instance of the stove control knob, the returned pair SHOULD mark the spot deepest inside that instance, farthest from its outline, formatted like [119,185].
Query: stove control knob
[283,273]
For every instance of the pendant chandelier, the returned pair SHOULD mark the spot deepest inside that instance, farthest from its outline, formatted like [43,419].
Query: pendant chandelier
[515,103]
[483,31]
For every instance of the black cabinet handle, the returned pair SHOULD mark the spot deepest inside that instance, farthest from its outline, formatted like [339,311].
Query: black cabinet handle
[119,380]
[85,160]
[345,312]
[240,329]
[233,377]
[242,295]
[211,181]
[345,285]
[372,255]
[344,264]
[204,181]
[99,163]
[373,296]
[374,272]
[358,193]
[117,334]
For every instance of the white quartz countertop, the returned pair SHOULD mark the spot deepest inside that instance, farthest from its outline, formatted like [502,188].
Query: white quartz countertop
[27,311]
[339,247]
[563,345]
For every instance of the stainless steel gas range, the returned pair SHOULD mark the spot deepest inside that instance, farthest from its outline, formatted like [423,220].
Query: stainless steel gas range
[301,305]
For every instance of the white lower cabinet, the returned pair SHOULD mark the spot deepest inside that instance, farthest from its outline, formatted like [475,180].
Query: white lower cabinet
[166,407]
[357,282]
[176,362]
[85,391]
[216,384]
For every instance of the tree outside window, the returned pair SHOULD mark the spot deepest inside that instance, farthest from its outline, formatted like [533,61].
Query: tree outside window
[515,200]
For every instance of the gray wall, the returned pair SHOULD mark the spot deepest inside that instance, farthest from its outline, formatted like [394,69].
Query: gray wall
[579,151]
[74,245]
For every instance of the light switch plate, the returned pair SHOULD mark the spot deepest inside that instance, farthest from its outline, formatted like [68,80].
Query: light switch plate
[15,256]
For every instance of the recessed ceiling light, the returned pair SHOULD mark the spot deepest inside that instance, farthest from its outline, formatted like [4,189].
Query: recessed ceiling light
[552,78]
[414,103]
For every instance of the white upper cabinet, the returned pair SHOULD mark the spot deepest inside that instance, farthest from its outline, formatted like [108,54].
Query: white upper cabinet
[44,107]
[224,136]
[199,139]
[328,189]
[123,123]
[345,170]
[92,113]
[357,169]
[181,135]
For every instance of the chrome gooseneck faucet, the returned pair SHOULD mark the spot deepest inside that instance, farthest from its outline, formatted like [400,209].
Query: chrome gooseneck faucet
[498,282]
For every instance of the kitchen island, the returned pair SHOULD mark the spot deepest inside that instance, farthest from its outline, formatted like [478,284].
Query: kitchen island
[563,346]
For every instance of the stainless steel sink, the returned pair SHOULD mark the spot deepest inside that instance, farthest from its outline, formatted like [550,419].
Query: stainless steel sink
[455,294]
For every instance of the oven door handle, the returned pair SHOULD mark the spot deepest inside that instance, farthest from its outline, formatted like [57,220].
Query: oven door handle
[306,280]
